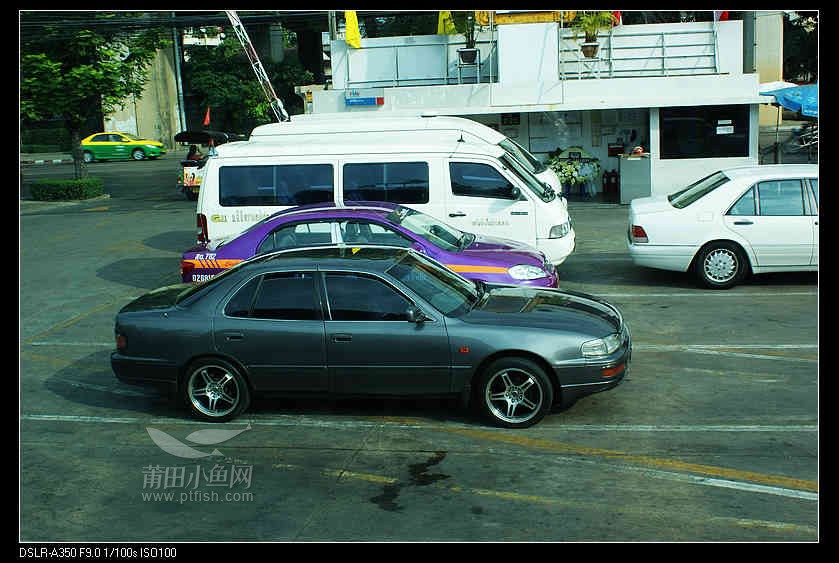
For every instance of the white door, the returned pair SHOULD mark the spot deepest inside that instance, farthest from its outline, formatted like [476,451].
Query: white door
[486,200]
[780,233]
[814,185]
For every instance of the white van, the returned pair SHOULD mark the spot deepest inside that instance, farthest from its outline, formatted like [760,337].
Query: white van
[476,187]
[331,124]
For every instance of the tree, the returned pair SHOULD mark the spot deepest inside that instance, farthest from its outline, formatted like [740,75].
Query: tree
[801,46]
[221,78]
[73,71]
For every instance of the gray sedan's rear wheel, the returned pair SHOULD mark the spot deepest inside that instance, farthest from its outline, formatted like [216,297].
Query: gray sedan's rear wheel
[215,390]
[515,393]
[720,265]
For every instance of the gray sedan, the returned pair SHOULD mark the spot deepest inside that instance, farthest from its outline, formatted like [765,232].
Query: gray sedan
[370,321]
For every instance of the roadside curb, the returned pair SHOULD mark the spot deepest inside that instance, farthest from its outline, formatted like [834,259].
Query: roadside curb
[47,161]
[37,205]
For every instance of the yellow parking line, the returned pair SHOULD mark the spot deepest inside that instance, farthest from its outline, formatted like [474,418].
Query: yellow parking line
[710,470]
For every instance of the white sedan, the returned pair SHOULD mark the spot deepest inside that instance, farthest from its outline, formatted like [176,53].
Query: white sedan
[734,222]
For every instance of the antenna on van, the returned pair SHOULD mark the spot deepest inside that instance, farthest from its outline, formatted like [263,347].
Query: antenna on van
[461,139]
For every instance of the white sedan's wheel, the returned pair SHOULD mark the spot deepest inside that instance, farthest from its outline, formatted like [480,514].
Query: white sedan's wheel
[720,265]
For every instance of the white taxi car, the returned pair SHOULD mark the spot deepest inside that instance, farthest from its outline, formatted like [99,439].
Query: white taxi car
[732,223]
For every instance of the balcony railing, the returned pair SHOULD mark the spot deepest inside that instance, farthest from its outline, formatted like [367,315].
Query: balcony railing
[639,54]
[426,61]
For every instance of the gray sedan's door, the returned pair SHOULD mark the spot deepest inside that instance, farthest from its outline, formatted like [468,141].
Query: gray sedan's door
[273,327]
[371,346]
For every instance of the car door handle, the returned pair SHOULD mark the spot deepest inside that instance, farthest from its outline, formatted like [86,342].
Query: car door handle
[518,212]
[457,214]
[342,338]
[743,223]
[234,336]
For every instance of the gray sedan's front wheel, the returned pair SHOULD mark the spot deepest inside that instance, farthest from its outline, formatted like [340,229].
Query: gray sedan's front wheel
[514,393]
[214,390]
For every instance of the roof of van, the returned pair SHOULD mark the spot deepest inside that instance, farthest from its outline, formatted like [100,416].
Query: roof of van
[340,123]
[356,144]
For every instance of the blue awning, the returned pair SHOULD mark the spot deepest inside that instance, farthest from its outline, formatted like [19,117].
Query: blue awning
[804,99]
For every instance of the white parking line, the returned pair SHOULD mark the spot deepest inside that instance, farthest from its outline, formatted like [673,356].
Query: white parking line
[706,294]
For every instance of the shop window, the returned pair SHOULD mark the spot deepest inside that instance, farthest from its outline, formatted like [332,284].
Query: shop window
[704,131]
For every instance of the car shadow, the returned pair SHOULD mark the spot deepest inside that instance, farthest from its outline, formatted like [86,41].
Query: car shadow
[90,381]
[143,273]
[172,241]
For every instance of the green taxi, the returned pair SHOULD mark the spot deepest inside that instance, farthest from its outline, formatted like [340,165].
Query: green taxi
[115,145]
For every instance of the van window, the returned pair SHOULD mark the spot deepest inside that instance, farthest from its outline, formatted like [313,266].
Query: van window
[395,182]
[288,184]
[479,180]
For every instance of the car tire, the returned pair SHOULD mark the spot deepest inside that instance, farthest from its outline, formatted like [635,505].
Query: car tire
[720,265]
[88,157]
[514,393]
[138,154]
[214,390]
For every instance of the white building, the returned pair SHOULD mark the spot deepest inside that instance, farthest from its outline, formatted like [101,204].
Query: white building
[677,90]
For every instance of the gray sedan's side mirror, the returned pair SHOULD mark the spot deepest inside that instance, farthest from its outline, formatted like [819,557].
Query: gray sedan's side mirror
[415,314]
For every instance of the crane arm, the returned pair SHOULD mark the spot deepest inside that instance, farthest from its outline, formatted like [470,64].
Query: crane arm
[261,76]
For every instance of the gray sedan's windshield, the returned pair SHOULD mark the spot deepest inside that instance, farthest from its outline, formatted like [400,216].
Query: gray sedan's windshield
[447,292]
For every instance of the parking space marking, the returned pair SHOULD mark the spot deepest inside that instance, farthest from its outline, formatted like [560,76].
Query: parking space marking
[699,474]
[769,351]
[713,475]
[641,295]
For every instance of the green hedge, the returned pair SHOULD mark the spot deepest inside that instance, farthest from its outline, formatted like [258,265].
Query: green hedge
[56,190]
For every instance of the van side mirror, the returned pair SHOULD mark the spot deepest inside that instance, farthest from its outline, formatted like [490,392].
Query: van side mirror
[515,193]
[415,315]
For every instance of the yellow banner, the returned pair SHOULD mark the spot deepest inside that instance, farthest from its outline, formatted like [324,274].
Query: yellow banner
[353,35]
[445,25]
[483,17]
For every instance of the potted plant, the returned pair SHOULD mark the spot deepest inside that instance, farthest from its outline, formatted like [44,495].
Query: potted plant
[465,24]
[590,24]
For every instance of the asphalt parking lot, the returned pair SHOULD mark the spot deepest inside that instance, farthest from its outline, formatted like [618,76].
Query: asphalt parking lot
[713,436]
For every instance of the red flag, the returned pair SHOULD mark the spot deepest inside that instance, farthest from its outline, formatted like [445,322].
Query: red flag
[618,20]
[720,15]
[207,117]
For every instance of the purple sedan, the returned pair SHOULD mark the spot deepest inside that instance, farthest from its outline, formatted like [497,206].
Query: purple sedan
[492,260]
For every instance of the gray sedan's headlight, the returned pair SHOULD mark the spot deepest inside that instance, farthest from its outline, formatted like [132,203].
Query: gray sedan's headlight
[601,346]
[526,272]
[560,231]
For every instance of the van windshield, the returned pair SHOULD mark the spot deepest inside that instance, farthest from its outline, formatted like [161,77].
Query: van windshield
[523,156]
[534,184]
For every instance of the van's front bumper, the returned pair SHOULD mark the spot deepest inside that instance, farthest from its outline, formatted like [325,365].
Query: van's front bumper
[558,249]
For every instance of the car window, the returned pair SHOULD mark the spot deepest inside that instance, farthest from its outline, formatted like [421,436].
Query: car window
[286,296]
[357,297]
[475,179]
[745,205]
[355,231]
[447,292]
[434,231]
[297,235]
[240,304]
[99,139]
[697,190]
[814,183]
[288,184]
[395,182]
[780,198]
[118,139]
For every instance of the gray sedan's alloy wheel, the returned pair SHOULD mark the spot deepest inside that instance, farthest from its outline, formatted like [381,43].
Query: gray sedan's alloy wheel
[720,265]
[515,393]
[215,390]
[138,154]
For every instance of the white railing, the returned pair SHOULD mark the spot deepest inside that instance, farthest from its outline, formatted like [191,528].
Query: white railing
[621,55]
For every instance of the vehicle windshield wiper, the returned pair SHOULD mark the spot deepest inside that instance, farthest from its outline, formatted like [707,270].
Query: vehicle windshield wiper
[550,194]
[465,240]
